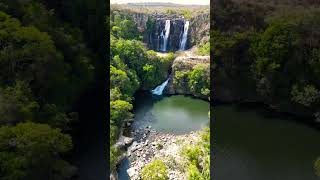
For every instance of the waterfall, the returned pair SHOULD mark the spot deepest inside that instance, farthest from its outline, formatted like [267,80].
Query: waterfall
[160,38]
[184,36]
[162,35]
[166,36]
[158,90]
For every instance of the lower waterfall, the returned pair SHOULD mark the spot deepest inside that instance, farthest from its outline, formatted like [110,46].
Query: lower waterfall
[159,89]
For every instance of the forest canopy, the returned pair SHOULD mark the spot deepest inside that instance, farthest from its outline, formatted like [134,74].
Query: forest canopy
[46,65]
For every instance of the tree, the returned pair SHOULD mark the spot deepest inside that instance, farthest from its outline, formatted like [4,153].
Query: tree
[119,110]
[115,94]
[32,151]
[199,79]
[128,29]
[307,96]
[17,104]
[119,78]
[276,51]
[204,49]
[149,74]
[194,173]
[133,54]
[27,55]
[186,14]
[45,67]
[193,154]
[156,170]
[133,58]
[124,28]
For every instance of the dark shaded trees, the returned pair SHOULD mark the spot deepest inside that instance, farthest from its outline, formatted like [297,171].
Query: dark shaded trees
[32,151]
[269,56]
[45,68]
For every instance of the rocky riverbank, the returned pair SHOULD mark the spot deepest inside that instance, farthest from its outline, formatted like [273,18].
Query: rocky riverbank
[149,145]
[142,142]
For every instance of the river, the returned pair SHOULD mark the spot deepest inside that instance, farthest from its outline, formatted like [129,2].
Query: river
[251,146]
[90,138]
[170,114]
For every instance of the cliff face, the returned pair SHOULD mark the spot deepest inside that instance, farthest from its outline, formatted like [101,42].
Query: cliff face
[156,32]
[152,25]
[200,29]
[140,19]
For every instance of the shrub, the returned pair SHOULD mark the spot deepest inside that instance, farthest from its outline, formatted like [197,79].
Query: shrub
[114,157]
[199,79]
[194,173]
[156,170]
[204,49]
[33,151]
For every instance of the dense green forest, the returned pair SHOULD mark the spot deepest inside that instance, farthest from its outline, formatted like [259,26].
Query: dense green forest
[48,61]
[269,52]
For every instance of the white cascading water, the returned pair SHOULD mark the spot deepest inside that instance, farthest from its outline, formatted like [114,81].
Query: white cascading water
[159,89]
[162,35]
[184,36]
[166,36]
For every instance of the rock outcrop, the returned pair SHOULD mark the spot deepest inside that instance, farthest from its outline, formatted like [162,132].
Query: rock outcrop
[123,142]
[184,64]
[199,29]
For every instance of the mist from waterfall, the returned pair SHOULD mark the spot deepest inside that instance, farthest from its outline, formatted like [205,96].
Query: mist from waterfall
[184,39]
[166,36]
[159,89]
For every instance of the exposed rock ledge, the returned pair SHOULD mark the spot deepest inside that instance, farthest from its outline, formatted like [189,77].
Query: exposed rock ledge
[185,63]
[123,142]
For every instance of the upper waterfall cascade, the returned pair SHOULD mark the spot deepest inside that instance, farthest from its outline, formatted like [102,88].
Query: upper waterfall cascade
[184,39]
[159,89]
[166,36]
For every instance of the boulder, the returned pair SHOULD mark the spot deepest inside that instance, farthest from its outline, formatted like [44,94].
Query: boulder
[123,142]
[127,140]
[132,172]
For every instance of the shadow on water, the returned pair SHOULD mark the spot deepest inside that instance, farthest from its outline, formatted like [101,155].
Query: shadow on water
[122,169]
[89,139]
[142,104]
[251,144]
